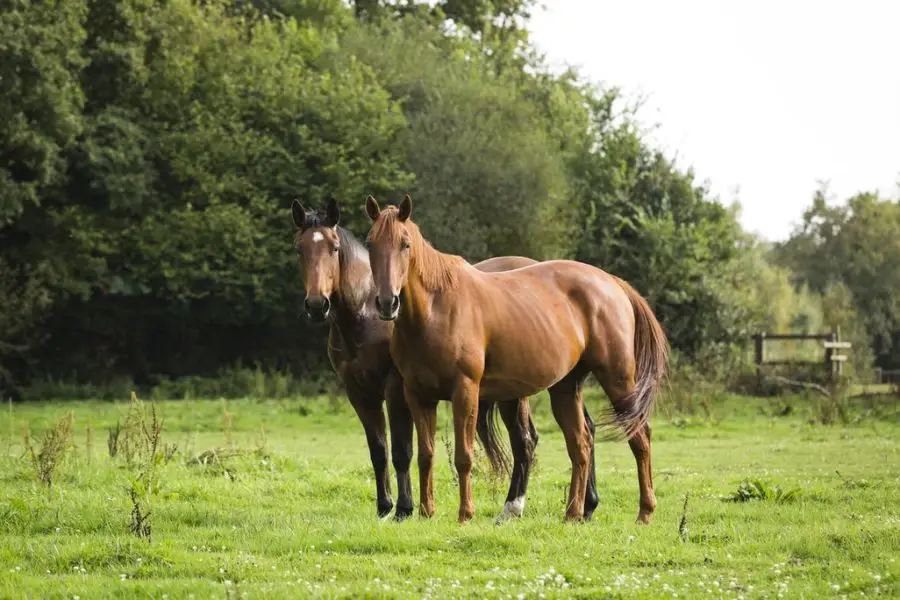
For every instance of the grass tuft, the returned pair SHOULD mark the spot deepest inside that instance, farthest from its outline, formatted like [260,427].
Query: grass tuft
[52,450]
[756,489]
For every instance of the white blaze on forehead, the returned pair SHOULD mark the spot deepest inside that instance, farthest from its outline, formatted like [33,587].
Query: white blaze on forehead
[317,237]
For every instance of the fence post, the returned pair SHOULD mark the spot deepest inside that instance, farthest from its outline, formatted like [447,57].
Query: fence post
[877,375]
[838,364]
[831,365]
[759,339]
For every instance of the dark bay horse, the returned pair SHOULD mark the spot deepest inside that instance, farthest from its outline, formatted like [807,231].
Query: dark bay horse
[339,286]
[462,334]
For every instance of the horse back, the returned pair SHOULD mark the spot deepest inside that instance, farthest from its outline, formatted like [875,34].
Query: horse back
[538,322]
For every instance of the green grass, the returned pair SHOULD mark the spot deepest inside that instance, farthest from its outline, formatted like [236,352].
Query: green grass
[298,519]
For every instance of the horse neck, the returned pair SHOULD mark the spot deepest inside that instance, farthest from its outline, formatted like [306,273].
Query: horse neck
[357,288]
[417,299]
[355,293]
[421,287]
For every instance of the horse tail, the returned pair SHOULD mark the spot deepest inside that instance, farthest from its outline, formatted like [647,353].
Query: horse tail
[488,433]
[651,355]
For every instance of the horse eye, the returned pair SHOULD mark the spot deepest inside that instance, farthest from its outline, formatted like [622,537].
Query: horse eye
[404,245]
[335,249]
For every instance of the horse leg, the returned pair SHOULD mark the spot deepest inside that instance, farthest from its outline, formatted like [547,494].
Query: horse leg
[424,416]
[591,497]
[619,392]
[567,404]
[372,417]
[523,439]
[465,412]
[401,424]
[640,447]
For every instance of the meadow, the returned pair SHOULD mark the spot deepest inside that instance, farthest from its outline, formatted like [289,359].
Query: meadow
[275,498]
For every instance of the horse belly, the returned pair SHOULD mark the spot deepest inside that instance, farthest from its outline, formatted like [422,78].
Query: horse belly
[520,367]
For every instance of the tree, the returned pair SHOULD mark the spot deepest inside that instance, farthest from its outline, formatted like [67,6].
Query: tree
[40,99]
[854,245]
[163,229]
[649,223]
[489,177]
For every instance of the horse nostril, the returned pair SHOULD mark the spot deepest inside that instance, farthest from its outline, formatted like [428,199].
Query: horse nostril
[377,303]
[326,306]
[395,303]
[307,306]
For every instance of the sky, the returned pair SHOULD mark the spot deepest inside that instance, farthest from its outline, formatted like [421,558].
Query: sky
[763,99]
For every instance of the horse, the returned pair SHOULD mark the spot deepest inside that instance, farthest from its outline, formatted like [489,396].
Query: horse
[339,288]
[463,334]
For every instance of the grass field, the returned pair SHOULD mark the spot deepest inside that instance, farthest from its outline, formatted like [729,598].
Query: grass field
[294,515]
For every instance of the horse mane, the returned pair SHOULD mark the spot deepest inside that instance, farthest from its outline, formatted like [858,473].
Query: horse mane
[436,270]
[356,281]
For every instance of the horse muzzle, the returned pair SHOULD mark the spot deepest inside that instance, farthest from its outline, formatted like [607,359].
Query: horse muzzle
[388,308]
[317,309]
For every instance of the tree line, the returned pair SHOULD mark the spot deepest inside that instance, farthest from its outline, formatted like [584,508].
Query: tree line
[149,151]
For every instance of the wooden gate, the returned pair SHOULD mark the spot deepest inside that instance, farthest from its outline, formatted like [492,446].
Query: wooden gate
[832,363]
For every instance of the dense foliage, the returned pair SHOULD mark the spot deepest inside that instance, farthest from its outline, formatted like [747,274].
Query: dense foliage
[149,150]
[852,251]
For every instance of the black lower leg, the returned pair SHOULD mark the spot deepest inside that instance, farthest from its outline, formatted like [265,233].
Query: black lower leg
[371,413]
[378,454]
[401,447]
[402,458]
[591,497]
[522,443]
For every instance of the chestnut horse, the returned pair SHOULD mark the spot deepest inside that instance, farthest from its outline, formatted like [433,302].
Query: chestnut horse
[339,287]
[462,334]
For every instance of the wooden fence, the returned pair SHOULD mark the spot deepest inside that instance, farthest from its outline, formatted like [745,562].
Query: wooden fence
[832,363]
[883,376]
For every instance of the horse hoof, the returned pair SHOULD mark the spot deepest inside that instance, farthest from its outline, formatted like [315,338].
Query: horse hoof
[513,509]
[643,518]
[384,510]
[505,518]
[401,514]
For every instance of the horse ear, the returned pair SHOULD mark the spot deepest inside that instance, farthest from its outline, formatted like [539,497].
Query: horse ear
[332,213]
[372,208]
[299,214]
[405,208]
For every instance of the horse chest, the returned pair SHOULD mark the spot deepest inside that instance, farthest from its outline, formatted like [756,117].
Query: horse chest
[423,361]
[363,361]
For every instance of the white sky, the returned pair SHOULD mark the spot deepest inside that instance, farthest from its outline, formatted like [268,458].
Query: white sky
[762,97]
